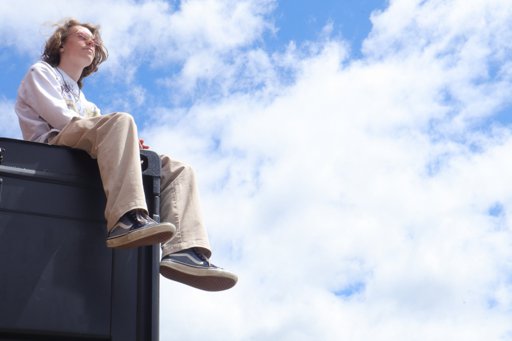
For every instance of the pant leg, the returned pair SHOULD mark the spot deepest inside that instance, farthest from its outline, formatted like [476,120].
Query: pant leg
[113,141]
[179,205]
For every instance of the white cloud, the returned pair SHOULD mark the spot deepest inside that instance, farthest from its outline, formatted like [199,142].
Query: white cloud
[200,35]
[372,177]
[470,40]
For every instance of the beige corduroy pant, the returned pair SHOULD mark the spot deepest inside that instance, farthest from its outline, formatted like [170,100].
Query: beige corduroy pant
[113,140]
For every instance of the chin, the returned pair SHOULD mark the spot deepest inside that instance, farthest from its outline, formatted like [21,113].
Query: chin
[88,62]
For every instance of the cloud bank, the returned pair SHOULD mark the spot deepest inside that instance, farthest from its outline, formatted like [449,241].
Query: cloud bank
[357,199]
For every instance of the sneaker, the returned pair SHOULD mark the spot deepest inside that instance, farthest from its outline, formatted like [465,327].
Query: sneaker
[192,268]
[136,228]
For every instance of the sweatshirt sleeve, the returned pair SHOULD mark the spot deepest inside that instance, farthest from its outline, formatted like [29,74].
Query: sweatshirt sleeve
[41,91]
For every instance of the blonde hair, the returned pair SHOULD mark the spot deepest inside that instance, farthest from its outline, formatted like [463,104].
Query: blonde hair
[51,53]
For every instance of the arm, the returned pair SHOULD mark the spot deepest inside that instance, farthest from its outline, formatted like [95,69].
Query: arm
[41,91]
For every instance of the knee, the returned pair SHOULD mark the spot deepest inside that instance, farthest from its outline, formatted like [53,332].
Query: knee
[123,119]
[176,168]
[122,116]
[186,168]
[186,172]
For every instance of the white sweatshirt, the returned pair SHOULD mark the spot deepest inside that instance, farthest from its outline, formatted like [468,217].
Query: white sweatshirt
[47,100]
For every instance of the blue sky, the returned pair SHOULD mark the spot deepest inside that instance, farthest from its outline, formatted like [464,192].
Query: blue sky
[303,20]
[353,157]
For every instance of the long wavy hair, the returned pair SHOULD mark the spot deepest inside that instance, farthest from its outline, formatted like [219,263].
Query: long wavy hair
[51,53]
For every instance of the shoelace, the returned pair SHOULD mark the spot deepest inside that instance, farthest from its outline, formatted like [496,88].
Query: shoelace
[134,215]
[201,256]
[139,216]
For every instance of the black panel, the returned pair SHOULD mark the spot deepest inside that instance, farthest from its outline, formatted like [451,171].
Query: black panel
[58,280]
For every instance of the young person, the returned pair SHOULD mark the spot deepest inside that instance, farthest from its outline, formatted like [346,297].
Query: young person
[52,108]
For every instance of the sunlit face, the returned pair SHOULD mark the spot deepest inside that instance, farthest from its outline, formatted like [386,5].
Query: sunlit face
[79,47]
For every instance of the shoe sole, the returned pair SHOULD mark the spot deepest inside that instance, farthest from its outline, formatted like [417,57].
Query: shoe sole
[143,237]
[211,280]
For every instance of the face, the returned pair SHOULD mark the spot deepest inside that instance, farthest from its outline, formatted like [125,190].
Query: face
[79,47]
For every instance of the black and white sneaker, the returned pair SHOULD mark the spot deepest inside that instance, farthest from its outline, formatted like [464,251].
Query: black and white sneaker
[136,228]
[192,268]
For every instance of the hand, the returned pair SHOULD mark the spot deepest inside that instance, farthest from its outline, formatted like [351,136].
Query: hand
[142,145]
